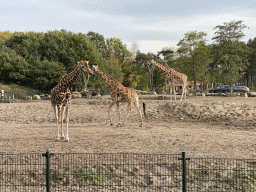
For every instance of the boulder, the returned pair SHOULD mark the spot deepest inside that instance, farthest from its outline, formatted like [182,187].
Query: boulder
[36,97]
[251,94]
[28,98]
[76,95]
[243,95]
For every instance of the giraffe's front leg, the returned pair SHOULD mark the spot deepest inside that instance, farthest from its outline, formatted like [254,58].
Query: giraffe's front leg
[56,112]
[111,104]
[119,114]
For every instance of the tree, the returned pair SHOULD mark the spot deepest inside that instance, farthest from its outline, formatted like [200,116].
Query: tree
[117,47]
[167,54]
[100,43]
[141,59]
[62,48]
[134,49]
[5,34]
[251,70]
[231,55]
[113,68]
[113,50]
[194,56]
[13,67]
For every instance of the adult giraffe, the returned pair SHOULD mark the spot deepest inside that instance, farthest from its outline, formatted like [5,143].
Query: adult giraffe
[173,75]
[61,96]
[119,94]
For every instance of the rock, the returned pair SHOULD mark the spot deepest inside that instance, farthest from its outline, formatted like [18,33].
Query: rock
[243,95]
[36,97]
[76,95]
[28,98]
[251,94]
[97,97]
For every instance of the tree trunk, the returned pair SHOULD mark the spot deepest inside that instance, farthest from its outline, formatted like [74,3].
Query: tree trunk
[85,80]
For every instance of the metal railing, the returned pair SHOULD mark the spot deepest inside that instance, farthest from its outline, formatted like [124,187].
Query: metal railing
[124,172]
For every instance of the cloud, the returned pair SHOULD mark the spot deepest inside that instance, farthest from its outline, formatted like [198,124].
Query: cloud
[158,23]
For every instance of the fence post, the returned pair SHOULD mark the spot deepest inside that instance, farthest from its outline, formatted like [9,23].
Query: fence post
[184,171]
[48,173]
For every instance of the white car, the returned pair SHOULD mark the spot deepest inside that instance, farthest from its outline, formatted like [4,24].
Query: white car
[240,89]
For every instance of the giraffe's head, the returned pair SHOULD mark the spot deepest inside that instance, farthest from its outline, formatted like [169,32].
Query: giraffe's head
[149,62]
[95,68]
[85,67]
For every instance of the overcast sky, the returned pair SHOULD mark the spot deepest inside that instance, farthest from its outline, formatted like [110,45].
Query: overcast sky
[153,24]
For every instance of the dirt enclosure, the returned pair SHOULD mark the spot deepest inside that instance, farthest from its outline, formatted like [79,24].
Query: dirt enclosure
[201,126]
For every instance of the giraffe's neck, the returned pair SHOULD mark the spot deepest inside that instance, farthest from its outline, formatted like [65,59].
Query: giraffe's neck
[69,78]
[162,67]
[108,80]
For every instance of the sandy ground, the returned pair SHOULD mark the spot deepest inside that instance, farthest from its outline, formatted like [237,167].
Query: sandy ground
[201,126]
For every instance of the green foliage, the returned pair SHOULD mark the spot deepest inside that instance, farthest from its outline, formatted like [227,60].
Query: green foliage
[129,71]
[120,50]
[148,73]
[19,91]
[251,69]
[231,55]
[13,68]
[195,56]
[5,34]
[229,32]
[45,74]
[100,43]
[115,56]
[53,54]
[143,82]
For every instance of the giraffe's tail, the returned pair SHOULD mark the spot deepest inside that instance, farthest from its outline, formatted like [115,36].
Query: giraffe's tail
[144,109]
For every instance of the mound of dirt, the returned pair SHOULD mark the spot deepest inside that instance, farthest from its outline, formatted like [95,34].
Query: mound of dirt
[215,112]
[228,112]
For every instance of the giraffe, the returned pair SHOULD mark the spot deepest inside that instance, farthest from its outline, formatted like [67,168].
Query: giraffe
[61,96]
[119,94]
[173,76]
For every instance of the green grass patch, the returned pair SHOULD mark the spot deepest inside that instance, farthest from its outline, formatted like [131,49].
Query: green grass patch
[19,91]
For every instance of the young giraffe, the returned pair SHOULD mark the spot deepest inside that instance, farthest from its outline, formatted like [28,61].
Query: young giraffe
[61,96]
[119,94]
[174,77]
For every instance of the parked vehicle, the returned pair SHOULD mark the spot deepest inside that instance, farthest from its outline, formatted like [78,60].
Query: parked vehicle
[240,89]
[220,89]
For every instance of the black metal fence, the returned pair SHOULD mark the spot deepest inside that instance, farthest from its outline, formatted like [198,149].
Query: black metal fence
[124,172]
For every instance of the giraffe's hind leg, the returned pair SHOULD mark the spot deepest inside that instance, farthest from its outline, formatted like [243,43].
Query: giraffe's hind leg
[112,103]
[136,103]
[63,107]
[129,109]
